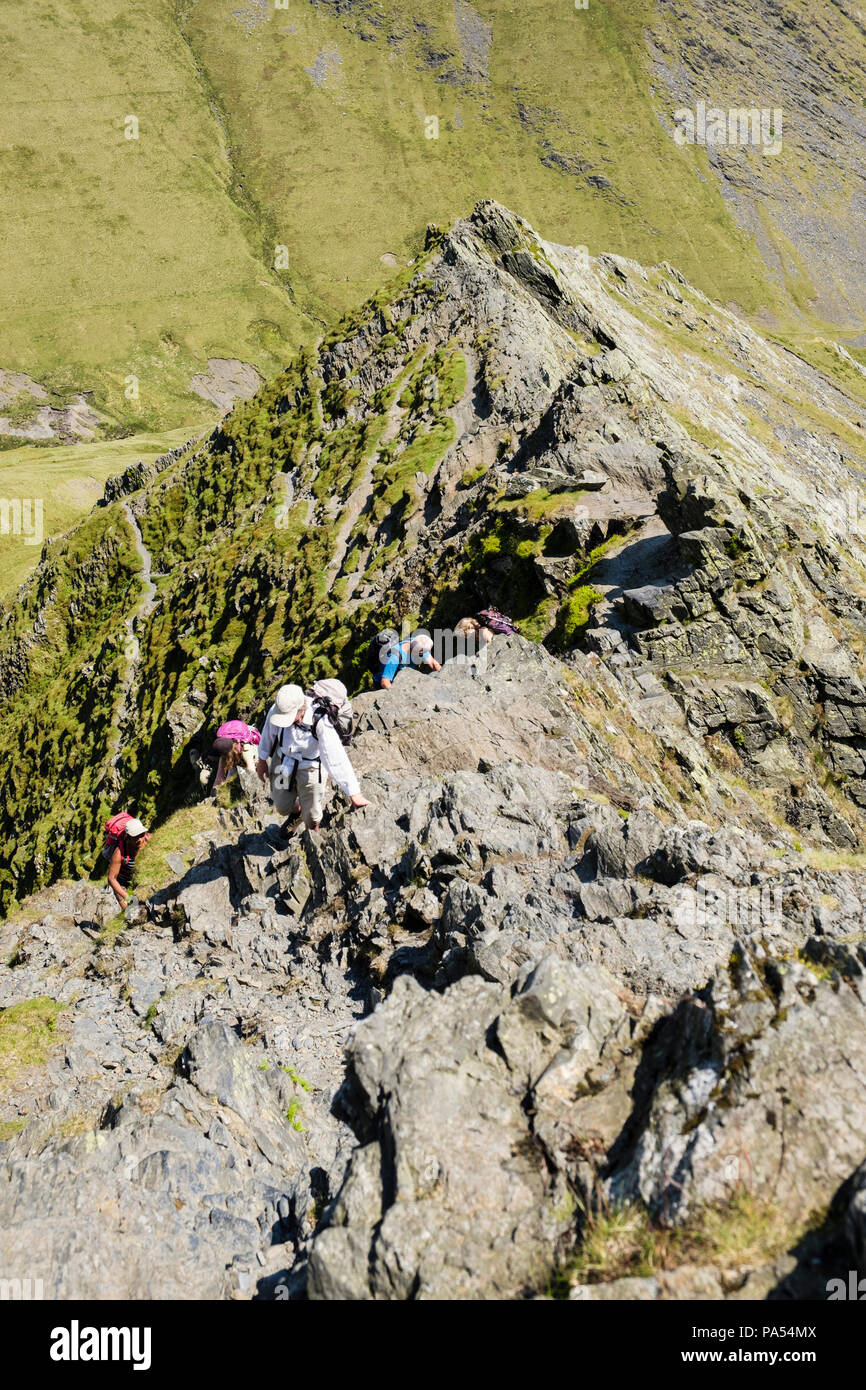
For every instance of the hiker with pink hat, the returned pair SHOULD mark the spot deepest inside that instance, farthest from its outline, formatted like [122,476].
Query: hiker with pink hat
[235,745]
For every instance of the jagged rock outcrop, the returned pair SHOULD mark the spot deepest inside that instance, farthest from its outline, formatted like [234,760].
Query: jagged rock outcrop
[756,1080]
[138,475]
[396,1059]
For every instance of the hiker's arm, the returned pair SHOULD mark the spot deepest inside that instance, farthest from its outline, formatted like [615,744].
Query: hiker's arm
[113,869]
[335,761]
[390,669]
[266,748]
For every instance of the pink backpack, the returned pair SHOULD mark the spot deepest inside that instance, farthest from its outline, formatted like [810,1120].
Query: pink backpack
[237,729]
[115,827]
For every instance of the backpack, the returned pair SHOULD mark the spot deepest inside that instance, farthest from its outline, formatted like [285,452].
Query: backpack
[331,702]
[115,828]
[497,622]
[379,649]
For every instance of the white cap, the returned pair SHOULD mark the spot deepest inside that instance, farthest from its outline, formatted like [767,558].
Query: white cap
[134,828]
[420,644]
[289,699]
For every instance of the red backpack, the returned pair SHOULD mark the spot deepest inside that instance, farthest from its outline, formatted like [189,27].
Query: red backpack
[115,827]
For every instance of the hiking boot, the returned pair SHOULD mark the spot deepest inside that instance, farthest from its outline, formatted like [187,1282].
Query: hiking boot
[285,830]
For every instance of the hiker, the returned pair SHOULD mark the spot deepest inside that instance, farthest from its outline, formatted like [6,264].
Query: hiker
[235,744]
[471,627]
[392,656]
[125,836]
[303,741]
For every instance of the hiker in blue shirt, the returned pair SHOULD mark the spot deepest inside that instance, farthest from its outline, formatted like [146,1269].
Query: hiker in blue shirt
[416,651]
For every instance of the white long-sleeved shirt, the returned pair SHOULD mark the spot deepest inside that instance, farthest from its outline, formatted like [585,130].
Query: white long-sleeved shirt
[298,743]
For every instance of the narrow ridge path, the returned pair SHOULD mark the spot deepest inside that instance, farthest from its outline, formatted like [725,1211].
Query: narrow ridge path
[123,709]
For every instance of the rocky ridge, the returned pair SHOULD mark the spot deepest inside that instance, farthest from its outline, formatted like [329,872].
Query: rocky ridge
[596,946]
[399,1058]
[626,467]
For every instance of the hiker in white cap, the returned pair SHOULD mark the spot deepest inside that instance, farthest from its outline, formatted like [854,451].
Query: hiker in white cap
[303,741]
[125,836]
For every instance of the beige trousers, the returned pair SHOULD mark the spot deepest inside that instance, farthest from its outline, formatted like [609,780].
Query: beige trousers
[310,787]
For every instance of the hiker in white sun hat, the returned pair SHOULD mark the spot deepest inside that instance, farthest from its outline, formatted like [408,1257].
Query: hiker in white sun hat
[303,744]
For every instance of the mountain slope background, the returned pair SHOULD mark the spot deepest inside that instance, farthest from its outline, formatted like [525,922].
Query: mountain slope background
[305,127]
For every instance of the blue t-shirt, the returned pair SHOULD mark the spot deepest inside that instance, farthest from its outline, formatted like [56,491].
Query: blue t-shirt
[396,658]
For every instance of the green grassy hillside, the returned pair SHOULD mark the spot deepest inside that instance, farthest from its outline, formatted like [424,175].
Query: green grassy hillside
[305,127]
[344,167]
[68,480]
[124,256]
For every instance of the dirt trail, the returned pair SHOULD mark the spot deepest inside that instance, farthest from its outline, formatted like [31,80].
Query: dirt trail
[146,605]
[123,709]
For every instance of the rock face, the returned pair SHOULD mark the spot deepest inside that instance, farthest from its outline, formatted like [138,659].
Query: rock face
[197,1186]
[722,1106]
[596,944]
[454,1196]
[225,381]
[397,1058]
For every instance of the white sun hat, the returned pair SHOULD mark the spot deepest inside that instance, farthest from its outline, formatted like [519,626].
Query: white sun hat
[421,643]
[289,699]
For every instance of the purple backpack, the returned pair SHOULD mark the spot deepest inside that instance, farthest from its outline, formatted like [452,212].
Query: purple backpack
[496,621]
